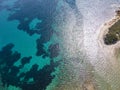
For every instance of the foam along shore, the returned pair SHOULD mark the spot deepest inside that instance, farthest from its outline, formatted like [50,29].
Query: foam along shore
[111,51]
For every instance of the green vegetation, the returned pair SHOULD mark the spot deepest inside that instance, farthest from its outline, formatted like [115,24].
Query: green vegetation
[113,34]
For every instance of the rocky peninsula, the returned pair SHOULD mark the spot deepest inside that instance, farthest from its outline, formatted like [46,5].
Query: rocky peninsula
[113,35]
[109,38]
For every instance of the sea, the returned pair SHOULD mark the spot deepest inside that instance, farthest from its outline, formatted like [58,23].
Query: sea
[53,45]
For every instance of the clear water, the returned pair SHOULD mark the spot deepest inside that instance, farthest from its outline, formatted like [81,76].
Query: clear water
[52,45]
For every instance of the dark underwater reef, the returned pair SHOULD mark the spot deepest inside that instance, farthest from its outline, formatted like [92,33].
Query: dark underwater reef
[25,11]
[9,72]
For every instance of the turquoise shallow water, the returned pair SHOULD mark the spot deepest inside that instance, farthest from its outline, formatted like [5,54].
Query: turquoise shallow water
[52,45]
[29,51]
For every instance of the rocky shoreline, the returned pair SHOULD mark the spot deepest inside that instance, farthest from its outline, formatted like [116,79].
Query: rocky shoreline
[110,49]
